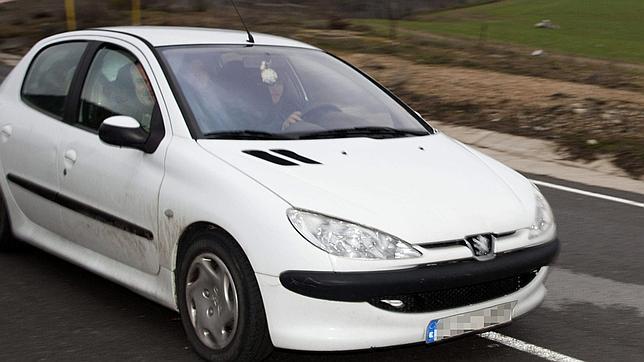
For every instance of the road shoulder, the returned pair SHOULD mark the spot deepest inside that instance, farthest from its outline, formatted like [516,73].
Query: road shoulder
[542,157]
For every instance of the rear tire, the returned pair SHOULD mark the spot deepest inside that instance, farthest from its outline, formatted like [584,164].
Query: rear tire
[7,240]
[219,300]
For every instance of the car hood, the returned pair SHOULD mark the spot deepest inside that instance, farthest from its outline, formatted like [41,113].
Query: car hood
[420,189]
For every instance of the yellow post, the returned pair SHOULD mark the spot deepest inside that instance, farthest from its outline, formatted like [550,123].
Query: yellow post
[136,12]
[70,10]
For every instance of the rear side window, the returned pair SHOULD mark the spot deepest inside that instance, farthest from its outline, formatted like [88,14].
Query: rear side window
[50,76]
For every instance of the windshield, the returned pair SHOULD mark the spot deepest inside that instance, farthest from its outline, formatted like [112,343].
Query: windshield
[265,92]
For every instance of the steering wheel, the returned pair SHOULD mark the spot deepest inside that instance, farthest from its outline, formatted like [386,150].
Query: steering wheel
[315,112]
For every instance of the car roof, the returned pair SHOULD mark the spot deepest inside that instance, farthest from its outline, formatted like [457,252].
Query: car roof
[173,35]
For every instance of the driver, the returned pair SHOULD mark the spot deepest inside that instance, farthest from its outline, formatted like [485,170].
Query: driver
[285,111]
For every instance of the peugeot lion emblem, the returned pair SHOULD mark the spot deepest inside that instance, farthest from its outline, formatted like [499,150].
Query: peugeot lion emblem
[482,246]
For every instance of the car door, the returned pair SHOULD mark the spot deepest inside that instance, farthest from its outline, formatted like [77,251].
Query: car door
[30,128]
[112,192]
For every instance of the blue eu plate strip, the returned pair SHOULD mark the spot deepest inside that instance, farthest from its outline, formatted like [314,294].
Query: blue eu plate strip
[430,337]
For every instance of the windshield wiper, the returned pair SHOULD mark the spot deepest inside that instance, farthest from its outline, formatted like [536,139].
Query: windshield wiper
[246,135]
[372,132]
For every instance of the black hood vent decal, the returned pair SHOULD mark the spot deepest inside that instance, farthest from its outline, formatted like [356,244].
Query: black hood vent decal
[295,156]
[270,158]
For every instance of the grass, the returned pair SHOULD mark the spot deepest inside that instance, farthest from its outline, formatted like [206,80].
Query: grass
[605,29]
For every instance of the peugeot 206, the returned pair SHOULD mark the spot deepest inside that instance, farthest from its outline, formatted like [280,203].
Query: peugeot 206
[271,193]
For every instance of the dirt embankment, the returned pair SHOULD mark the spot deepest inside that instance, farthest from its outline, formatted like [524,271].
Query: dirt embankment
[586,120]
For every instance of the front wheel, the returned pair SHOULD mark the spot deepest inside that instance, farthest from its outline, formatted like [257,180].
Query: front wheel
[219,300]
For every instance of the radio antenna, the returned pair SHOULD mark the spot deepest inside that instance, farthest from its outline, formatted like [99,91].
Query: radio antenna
[250,36]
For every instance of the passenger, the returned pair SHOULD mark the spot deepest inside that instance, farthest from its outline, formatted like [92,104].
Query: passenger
[142,85]
[132,94]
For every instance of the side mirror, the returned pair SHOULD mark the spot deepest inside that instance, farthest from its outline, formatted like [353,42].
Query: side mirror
[123,131]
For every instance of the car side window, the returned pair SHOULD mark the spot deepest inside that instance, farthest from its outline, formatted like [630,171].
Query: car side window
[116,84]
[50,75]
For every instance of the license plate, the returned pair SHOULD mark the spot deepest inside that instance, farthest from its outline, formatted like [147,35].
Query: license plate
[456,325]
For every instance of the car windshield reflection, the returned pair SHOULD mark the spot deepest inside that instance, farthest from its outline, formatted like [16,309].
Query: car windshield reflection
[264,92]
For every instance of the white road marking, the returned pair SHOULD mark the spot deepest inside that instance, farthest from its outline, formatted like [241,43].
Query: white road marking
[588,193]
[528,348]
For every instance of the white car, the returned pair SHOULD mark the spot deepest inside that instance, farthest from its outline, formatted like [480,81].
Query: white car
[270,192]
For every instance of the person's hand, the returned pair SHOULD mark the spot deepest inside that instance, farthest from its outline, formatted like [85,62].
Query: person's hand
[293,118]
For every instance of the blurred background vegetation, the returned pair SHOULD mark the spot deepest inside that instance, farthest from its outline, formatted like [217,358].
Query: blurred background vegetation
[571,71]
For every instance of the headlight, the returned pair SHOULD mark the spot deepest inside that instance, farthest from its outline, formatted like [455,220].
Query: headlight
[342,238]
[543,220]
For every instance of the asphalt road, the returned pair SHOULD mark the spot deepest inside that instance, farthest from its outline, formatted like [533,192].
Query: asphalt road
[53,310]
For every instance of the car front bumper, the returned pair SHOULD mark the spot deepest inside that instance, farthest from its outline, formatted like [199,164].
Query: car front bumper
[326,311]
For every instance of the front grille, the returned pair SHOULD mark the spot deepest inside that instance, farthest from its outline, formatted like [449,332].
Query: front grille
[455,297]
[442,244]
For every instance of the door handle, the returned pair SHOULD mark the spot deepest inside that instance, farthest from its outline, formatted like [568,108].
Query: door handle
[6,132]
[70,156]
[69,159]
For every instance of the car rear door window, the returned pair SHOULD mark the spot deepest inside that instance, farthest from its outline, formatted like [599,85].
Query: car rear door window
[116,84]
[50,75]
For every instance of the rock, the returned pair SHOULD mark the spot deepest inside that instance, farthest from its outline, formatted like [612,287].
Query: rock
[580,110]
[546,24]
[496,120]
[591,142]
[537,53]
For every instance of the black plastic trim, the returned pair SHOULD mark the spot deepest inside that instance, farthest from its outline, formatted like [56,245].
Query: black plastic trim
[123,137]
[442,244]
[456,297]
[362,286]
[295,156]
[270,158]
[157,130]
[80,207]
[72,103]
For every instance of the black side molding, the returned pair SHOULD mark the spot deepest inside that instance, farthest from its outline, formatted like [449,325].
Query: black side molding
[270,158]
[363,286]
[295,156]
[80,207]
